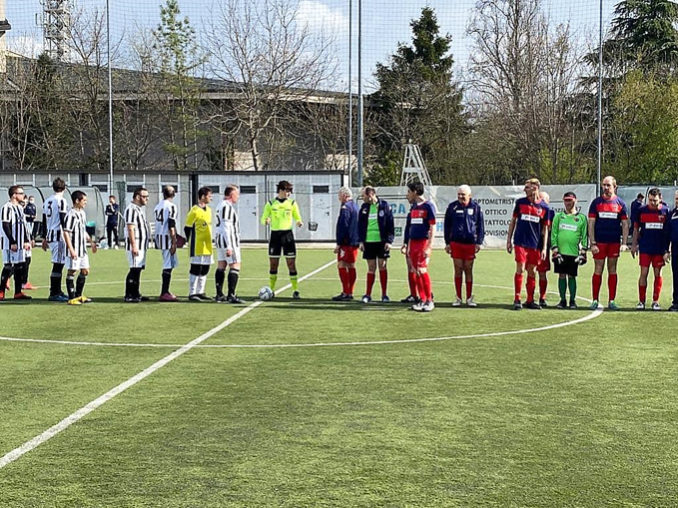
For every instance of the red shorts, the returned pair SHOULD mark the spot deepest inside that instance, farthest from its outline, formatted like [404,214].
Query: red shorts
[544,265]
[527,255]
[607,250]
[656,260]
[417,253]
[465,251]
[347,254]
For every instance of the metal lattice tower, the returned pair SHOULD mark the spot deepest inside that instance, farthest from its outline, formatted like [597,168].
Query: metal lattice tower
[413,167]
[56,26]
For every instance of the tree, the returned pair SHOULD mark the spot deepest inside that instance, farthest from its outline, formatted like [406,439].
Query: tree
[269,61]
[418,99]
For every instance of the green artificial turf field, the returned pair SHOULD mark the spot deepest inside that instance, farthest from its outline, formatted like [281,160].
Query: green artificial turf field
[317,403]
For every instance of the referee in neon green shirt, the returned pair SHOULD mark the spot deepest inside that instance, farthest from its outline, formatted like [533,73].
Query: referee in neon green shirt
[281,213]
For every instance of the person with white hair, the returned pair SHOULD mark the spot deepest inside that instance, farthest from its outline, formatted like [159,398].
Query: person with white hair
[346,248]
[464,231]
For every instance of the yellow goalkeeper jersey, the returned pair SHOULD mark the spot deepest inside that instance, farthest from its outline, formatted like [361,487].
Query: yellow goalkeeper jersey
[200,222]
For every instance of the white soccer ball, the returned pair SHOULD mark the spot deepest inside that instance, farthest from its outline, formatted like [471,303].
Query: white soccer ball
[265,293]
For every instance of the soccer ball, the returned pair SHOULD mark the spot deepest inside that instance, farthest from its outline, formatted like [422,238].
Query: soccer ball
[265,293]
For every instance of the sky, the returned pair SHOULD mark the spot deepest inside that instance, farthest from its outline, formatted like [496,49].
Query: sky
[385,23]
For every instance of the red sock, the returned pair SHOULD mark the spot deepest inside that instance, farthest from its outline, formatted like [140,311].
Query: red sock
[657,289]
[350,283]
[412,279]
[543,284]
[383,279]
[427,286]
[612,285]
[342,276]
[370,283]
[530,286]
[517,284]
[457,286]
[642,293]
[421,286]
[596,282]
[469,289]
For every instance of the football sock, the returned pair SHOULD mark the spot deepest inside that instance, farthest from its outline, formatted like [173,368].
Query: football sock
[343,276]
[166,279]
[543,285]
[517,284]
[19,278]
[457,286]
[272,279]
[294,280]
[469,288]
[55,279]
[129,284]
[192,284]
[219,278]
[530,286]
[642,293]
[412,280]
[352,276]
[370,283]
[612,285]
[6,274]
[233,275]
[427,286]
[28,266]
[572,283]
[657,289]
[562,288]
[596,282]
[421,286]
[80,284]
[137,282]
[70,286]
[201,284]
[383,280]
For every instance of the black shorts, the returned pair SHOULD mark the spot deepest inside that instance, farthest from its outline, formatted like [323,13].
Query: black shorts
[568,266]
[374,250]
[282,241]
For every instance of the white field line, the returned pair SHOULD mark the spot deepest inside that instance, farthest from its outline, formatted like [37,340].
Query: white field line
[87,409]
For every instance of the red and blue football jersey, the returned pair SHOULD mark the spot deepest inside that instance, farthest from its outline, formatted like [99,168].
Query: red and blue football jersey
[419,221]
[609,214]
[651,229]
[530,217]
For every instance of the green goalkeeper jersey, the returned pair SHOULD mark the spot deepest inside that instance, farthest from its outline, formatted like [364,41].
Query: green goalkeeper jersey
[283,214]
[568,232]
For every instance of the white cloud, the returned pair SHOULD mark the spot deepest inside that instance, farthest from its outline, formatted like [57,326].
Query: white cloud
[25,45]
[319,17]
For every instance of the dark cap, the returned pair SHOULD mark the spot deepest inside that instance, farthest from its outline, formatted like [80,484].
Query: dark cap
[569,195]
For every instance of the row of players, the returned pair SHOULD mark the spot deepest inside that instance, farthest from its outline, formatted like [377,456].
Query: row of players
[369,228]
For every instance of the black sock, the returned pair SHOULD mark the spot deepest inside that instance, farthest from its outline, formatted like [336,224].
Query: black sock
[80,284]
[28,266]
[7,271]
[137,283]
[55,279]
[219,278]
[166,279]
[70,286]
[129,284]
[233,275]
[19,277]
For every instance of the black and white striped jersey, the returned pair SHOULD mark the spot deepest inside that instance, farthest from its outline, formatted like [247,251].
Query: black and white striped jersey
[135,216]
[52,208]
[76,220]
[227,231]
[13,216]
[165,214]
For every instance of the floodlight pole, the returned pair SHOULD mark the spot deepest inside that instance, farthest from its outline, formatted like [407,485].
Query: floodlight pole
[360,93]
[350,92]
[600,94]
[110,100]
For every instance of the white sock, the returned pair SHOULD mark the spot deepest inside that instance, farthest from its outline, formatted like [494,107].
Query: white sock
[192,284]
[202,282]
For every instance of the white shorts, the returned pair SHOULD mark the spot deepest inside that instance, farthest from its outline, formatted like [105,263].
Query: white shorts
[58,249]
[13,258]
[202,260]
[169,260]
[77,264]
[233,258]
[138,261]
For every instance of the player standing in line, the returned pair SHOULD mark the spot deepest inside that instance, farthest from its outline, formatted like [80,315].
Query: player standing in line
[112,211]
[55,209]
[198,229]
[346,248]
[569,240]
[75,236]
[228,246]
[418,243]
[165,213]
[281,213]
[672,242]
[137,233]
[14,240]
[544,265]
[608,220]
[375,232]
[29,251]
[649,238]
[464,230]
[530,224]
